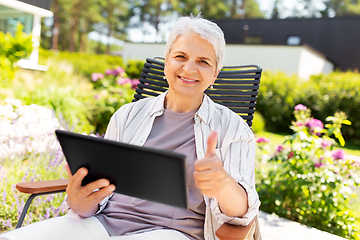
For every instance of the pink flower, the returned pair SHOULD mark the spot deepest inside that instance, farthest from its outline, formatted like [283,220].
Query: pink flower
[338,154]
[123,81]
[97,76]
[279,148]
[97,96]
[134,83]
[298,124]
[325,144]
[319,164]
[108,72]
[118,71]
[262,140]
[315,126]
[291,154]
[300,107]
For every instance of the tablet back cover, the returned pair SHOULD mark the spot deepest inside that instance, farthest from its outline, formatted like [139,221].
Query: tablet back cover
[147,173]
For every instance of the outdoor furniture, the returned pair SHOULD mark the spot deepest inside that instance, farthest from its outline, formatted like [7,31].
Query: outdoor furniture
[236,87]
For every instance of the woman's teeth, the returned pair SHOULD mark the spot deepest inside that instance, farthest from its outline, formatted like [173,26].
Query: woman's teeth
[187,80]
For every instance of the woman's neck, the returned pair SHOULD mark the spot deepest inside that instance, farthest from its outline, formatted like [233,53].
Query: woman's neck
[182,104]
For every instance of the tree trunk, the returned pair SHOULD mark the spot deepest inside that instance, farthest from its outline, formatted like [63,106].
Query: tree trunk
[74,25]
[56,26]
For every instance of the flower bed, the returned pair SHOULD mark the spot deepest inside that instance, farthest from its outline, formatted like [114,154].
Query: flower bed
[309,179]
[29,151]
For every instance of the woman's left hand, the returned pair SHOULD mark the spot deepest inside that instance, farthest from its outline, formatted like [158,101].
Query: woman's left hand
[210,175]
[214,182]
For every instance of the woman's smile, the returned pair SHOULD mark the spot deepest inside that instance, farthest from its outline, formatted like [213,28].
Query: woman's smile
[187,80]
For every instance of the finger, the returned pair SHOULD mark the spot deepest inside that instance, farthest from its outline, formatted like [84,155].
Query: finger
[91,187]
[77,178]
[211,144]
[98,196]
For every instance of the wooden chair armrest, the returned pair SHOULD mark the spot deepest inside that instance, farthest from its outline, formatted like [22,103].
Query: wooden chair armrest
[236,232]
[42,186]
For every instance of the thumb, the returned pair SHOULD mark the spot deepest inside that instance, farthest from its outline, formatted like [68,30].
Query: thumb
[211,144]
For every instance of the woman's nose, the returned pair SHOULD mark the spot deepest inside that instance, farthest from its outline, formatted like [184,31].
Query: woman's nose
[190,67]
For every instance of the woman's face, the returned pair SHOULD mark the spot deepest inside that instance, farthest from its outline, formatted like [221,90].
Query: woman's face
[190,67]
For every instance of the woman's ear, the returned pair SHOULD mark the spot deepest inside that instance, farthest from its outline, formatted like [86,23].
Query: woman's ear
[215,76]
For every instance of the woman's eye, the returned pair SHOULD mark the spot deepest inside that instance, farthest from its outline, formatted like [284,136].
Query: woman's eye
[205,62]
[180,56]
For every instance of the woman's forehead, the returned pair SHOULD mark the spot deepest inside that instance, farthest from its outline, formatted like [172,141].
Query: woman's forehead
[193,44]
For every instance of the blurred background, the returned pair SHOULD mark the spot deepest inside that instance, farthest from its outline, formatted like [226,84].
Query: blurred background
[71,64]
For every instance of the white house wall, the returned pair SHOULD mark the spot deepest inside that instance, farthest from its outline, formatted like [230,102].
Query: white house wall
[299,60]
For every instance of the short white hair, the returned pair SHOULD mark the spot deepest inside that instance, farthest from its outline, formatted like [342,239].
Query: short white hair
[206,29]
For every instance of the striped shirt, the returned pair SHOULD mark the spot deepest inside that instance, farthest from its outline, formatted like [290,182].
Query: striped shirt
[133,122]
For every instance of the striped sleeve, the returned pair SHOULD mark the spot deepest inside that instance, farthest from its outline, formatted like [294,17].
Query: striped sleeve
[238,156]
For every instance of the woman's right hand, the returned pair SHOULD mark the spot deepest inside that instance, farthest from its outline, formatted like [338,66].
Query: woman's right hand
[84,200]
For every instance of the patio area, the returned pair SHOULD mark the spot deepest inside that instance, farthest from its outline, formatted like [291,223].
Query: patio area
[273,227]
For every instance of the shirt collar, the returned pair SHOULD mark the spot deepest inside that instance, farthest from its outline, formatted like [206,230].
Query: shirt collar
[205,111]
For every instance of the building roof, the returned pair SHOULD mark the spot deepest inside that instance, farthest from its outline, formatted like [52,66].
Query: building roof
[337,38]
[36,7]
[45,4]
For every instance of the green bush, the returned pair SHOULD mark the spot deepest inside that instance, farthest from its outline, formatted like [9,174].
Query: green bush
[323,94]
[308,179]
[258,124]
[134,68]
[70,95]
[83,63]
[113,89]
[12,49]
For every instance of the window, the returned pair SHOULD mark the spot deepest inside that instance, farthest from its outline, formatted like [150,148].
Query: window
[252,39]
[293,40]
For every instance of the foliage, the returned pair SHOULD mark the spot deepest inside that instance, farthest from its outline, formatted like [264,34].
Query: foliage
[324,94]
[68,94]
[258,123]
[308,179]
[113,89]
[29,151]
[340,8]
[12,49]
[134,68]
[82,63]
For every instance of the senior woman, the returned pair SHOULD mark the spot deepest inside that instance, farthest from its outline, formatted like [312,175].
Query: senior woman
[218,144]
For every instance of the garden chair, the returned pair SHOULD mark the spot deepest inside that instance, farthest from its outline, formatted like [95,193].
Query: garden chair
[236,87]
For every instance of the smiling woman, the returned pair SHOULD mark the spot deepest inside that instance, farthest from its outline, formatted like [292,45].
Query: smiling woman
[190,69]
[218,144]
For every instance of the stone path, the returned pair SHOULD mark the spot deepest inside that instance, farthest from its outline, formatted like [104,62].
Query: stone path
[273,227]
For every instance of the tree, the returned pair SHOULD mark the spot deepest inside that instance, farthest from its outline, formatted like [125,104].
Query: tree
[341,8]
[116,15]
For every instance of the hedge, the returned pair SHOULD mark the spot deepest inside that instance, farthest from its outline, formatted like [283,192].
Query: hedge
[324,94]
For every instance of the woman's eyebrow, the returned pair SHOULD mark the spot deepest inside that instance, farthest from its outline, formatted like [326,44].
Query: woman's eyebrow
[177,52]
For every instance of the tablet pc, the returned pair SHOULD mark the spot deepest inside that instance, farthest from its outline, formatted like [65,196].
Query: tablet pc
[142,172]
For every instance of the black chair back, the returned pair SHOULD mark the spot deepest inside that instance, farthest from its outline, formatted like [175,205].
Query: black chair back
[236,87]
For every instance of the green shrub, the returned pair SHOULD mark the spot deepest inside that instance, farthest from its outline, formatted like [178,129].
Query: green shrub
[12,49]
[134,68]
[113,89]
[258,123]
[277,98]
[70,95]
[323,94]
[308,179]
[82,63]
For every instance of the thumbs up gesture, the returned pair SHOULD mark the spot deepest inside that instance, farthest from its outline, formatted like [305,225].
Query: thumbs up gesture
[210,176]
